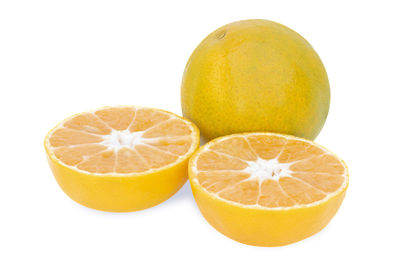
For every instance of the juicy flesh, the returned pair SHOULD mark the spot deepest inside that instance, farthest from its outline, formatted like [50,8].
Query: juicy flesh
[121,140]
[268,170]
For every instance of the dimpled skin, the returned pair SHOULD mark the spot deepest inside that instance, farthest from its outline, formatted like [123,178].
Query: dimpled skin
[255,75]
[119,193]
[265,227]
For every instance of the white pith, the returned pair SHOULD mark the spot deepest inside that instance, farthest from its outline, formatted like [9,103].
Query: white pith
[118,139]
[266,169]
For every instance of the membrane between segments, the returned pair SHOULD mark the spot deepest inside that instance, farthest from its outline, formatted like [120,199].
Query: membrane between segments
[269,170]
[121,140]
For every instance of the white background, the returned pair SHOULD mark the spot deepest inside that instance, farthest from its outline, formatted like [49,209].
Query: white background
[58,58]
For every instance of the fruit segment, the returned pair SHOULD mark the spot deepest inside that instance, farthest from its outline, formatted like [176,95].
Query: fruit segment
[117,118]
[88,122]
[72,155]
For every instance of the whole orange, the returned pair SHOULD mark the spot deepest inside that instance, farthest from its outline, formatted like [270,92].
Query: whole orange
[255,75]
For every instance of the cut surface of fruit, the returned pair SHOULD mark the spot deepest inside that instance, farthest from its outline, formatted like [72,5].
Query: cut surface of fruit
[269,170]
[121,140]
[100,155]
[267,189]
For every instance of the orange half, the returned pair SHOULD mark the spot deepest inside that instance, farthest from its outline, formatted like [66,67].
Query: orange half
[121,158]
[267,189]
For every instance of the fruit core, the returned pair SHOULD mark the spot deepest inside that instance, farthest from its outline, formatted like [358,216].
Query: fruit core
[267,169]
[120,139]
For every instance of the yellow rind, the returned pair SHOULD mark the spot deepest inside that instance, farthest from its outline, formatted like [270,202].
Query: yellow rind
[255,75]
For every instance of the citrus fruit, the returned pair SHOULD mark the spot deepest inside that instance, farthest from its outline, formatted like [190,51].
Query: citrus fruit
[255,75]
[267,189]
[121,159]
